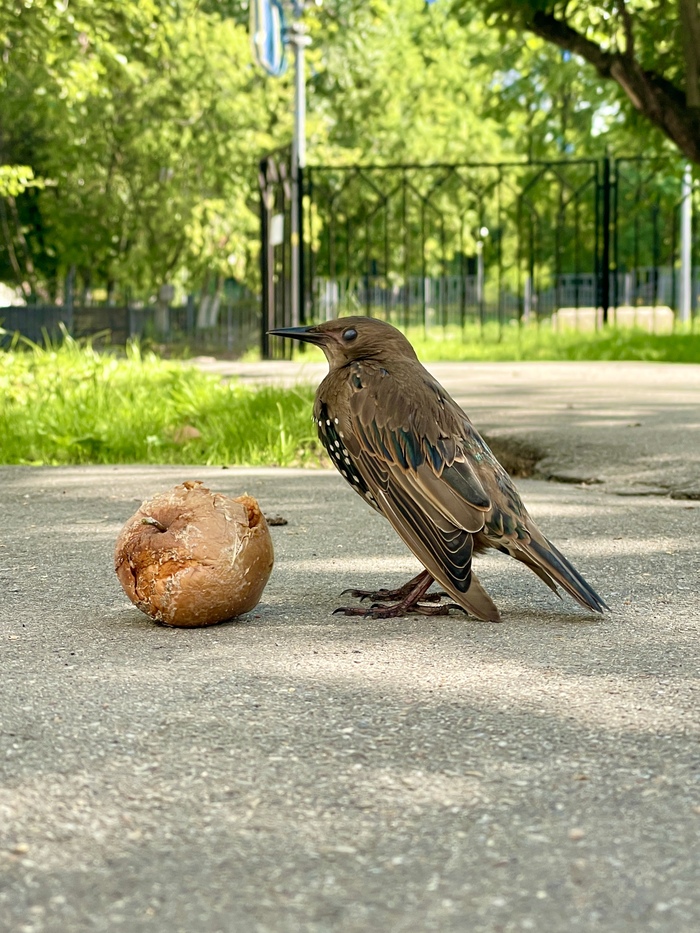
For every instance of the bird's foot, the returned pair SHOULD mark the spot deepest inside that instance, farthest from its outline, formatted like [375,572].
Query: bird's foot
[399,594]
[390,595]
[377,611]
[408,599]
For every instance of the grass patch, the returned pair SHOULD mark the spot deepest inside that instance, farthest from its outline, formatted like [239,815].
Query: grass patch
[532,342]
[542,343]
[69,404]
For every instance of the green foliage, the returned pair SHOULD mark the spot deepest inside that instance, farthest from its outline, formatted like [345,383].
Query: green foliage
[653,25]
[16,179]
[392,81]
[149,118]
[146,119]
[70,404]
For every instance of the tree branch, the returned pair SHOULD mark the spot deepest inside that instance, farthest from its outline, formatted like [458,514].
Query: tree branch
[628,27]
[690,29]
[652,94]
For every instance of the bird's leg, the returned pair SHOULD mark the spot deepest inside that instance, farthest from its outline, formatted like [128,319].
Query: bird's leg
[410,602]
[397,595]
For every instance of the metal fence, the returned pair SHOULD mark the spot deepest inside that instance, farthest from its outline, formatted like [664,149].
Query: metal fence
[454,299]
[454,244]
[234,328]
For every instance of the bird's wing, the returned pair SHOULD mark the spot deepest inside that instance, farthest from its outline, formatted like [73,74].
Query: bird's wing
[444,549]
[510,528]
[415,435]
[424,484]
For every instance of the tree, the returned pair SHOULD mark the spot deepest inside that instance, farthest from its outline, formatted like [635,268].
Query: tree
[130,130]
[391,81]
[146,120]
[650,48]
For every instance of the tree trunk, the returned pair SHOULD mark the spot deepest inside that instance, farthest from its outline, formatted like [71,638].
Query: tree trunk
[690,29]
[11,252]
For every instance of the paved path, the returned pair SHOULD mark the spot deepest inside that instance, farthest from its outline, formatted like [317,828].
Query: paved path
[633,426]
[298,772]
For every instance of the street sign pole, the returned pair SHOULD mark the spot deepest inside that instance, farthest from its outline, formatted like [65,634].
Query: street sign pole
[269,36]
[298,38]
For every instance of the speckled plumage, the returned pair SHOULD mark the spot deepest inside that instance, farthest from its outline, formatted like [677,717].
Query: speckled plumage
[413,455]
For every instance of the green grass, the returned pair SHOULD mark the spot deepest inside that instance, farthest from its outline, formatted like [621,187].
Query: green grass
[541,343]
[71,405]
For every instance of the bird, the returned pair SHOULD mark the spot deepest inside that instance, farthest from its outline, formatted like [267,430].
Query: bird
[409,450]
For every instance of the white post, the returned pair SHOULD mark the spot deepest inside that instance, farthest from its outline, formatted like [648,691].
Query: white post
[479,272]
[299,40]
[684,304]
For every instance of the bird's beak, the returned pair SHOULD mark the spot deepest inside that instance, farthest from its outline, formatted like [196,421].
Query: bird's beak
[307,334]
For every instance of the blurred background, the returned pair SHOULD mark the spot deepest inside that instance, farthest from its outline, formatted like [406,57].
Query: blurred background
[469,167]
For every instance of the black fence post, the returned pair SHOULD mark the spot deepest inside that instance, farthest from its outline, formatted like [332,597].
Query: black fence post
[312,254]
[615,239]
[264,262]
[605,258]
[69,296]
[300,215]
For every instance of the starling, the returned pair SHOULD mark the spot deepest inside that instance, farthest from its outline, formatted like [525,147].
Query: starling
[413,455]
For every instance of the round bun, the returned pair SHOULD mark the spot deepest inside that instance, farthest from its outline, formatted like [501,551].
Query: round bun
[190,557]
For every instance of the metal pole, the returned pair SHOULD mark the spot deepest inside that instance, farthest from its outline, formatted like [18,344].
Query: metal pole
[299,40]
[265,315]
[605,259]
[686,246]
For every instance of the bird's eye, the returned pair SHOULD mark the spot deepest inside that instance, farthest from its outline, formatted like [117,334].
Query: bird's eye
[349,334]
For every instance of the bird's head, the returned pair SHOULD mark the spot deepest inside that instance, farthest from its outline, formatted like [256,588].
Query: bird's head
[353,338]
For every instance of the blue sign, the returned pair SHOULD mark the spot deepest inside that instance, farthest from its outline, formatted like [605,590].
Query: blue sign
[267,29]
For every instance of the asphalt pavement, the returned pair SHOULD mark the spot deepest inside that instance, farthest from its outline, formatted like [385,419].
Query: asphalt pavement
[300,772]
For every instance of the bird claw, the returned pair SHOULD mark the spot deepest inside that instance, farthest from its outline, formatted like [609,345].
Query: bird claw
[352,611]
[390,595]
[380,611]
[361,594]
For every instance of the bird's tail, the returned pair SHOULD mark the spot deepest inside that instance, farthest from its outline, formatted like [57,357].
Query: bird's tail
[550,565]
